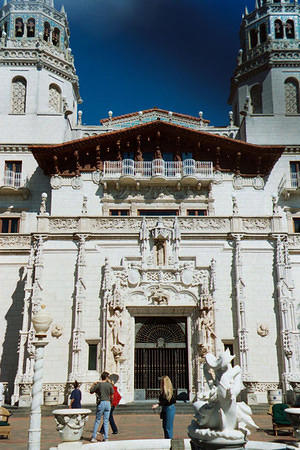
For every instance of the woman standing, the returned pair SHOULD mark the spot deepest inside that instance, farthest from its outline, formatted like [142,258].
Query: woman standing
[167,402]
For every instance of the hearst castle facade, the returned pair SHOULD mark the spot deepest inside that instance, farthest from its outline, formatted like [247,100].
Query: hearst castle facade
[153,237]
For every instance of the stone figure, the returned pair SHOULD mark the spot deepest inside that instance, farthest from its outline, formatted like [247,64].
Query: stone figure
[218,415]
[116,324]
[160,253]
[1,394]
[57,331]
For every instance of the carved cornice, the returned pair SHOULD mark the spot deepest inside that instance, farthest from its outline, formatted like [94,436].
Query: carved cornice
[15,242]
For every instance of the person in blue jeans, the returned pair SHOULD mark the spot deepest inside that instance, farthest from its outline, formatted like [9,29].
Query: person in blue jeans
[104,391]
[167,402]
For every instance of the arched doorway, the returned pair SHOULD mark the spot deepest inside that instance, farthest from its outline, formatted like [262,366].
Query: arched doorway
[160,349]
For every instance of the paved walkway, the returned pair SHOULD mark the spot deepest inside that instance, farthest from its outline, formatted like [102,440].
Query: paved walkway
[131,427]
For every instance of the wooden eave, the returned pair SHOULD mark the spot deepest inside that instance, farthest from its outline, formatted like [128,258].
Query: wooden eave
[88,154]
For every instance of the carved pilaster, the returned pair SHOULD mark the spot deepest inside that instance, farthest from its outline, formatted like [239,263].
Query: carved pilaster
[240,306]
[25,323]
[80,296]
[289,334]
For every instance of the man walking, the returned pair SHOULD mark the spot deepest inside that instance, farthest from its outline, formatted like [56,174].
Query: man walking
[104,391]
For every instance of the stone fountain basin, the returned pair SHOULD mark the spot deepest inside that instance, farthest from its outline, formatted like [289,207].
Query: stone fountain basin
[70,423]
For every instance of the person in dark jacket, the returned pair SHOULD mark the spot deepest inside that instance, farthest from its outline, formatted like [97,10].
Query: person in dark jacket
[167,402]
[75,396]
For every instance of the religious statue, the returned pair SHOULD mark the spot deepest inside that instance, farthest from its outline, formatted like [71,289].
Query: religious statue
[219,417]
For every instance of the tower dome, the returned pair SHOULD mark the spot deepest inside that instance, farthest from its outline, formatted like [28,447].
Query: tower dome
[39,87]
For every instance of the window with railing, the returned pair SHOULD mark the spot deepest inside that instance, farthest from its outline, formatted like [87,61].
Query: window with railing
[13,174]
[295,174]
[9,225]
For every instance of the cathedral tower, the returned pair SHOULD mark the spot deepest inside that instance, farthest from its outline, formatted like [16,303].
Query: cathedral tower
[265,86]
[39,87]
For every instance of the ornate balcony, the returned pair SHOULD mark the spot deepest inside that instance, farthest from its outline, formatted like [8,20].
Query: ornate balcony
[189,170]
[13,183]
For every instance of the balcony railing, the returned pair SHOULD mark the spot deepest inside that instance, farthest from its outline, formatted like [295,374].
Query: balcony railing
[295,180]
[12,179]
[158,167]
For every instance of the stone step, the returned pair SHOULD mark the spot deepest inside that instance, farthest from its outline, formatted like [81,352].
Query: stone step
[129,408]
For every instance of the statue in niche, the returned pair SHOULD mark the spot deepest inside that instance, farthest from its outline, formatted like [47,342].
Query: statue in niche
[116,324]
[160,249]
[206,330]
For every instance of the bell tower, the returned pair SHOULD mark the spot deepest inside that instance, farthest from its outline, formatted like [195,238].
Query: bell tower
[265,85]
[39,88]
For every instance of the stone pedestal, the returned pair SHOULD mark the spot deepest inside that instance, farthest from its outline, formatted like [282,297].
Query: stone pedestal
[218,444]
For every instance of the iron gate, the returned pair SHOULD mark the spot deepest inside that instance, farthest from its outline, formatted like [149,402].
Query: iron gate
[160,350]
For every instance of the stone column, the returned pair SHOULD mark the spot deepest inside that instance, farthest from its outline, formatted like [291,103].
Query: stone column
[80,297]
[240,306]
[24,331]
[106,293]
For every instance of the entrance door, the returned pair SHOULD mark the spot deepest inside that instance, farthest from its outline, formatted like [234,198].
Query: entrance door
[160,349]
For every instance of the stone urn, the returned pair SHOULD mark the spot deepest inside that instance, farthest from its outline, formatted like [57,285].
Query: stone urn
[41,322]
[294,416]
[70,423]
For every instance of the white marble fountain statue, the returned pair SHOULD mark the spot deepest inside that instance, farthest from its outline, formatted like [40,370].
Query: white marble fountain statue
[221,422]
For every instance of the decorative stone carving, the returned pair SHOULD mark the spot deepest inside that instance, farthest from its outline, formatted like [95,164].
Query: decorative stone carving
[133,277]
[235,208]
[84,209]
[256,224]
[76,183]
[15,242]
[187,277]
[18,96]
[263,330]
[218,177]
[56,182]
[97,176]
[238,182]
[70,423]
[294,242]
[64,224]
[57,331]
[158,296]
[258,183]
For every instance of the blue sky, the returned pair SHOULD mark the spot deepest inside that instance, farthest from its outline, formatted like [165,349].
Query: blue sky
[178,55]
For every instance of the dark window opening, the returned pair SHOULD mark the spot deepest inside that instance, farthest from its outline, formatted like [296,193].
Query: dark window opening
[187,155]
[10,225]
[31,27]
[253,38]
[119,212]
[196,212]
[55,37]
[278,29]
[263,32]
[46,36]
[295,174]
[92,364]
[296,225]
[290,29]
[19,27]
[158,212]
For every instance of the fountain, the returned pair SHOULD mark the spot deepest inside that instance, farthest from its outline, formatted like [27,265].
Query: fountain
[221,422]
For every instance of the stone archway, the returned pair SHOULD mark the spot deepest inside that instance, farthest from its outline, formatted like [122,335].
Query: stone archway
[160,349]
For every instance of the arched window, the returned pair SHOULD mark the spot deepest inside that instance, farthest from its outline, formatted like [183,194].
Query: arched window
[290,29]
[19,27]
[292,96]
[263,32]
[278,29]
[46,36]
[55,37]
[253,38]
[30,27]
[54,98]
[18,97]
[256,99]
